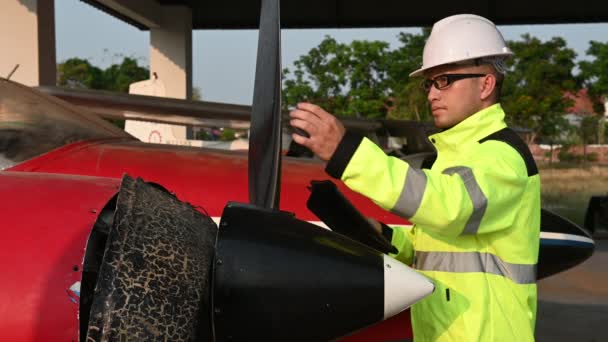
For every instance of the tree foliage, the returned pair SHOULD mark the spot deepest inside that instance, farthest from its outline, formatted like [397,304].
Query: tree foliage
[595,74]
[588,132]
[79,73]
[362,79]
[118,77]
[346,80]
[407,100]
[197,95]
[533,92]
[368,79]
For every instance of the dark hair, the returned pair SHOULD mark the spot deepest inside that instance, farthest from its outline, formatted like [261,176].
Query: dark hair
[498,64]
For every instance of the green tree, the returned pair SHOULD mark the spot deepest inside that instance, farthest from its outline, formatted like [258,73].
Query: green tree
[595,75]
[589,129]
[367,67]
[318,77]
[79,73]
[586,133]
[197,95]
[118,77]
[347,80]
[363,78]
[407,100]
[533,92]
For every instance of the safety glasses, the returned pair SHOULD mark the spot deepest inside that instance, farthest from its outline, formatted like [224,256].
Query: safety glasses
[443,81]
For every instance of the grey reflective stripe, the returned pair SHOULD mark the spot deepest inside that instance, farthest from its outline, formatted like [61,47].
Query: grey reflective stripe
[480,202]
[411,196]
[461,262]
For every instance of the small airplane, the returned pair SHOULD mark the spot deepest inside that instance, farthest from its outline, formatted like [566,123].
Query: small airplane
[93,253]
[596,216]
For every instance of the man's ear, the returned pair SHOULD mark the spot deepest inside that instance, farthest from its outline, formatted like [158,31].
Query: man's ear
[487,85]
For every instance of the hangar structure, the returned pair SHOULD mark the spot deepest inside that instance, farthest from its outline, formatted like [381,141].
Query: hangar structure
[27,27]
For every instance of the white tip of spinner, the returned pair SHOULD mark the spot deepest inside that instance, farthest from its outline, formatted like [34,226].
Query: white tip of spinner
[403,286]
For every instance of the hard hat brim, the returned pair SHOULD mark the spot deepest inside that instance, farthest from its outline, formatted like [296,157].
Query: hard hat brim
[419,72]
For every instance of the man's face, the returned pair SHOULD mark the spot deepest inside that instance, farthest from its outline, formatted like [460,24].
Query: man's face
[460,98]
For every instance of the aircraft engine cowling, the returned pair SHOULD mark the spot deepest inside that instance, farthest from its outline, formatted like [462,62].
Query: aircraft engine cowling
[278,278]
[165,272]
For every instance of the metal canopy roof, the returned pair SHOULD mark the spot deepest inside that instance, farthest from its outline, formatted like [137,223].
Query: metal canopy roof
[244,14]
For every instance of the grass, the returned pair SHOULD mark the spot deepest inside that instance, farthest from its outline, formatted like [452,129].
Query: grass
[566,188]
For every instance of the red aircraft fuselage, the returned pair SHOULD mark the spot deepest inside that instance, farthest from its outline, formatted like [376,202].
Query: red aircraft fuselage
[205,178]
[47,220]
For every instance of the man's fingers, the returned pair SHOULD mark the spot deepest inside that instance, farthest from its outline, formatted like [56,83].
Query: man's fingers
[300,114]
[305,116]
[315,115]
[312,108]
[308,107]
[300,139]
[324,130]
[303,125]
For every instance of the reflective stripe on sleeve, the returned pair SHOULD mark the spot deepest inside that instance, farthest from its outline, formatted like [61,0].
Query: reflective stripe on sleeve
[480,202]
[411,196]
[462,262]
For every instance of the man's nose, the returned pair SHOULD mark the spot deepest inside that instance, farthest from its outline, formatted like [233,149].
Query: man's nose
[433,94]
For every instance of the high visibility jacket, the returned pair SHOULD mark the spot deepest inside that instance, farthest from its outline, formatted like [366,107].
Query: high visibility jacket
[476,225]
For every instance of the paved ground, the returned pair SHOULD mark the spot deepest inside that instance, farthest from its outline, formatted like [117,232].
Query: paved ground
[573,305]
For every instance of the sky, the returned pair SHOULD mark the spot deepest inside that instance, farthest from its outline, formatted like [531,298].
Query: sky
[224,61]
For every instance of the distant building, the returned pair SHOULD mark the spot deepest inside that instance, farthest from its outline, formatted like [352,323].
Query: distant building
[582,106]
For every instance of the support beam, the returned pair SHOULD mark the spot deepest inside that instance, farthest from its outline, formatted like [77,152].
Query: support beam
[27,35]
[146,12]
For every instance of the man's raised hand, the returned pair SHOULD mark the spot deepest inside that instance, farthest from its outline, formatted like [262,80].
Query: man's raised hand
[324,130]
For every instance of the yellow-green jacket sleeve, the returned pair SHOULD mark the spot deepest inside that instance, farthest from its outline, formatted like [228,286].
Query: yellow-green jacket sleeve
[403,239]
[478,197]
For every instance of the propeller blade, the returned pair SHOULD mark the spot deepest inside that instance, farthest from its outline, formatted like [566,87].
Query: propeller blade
[265,134]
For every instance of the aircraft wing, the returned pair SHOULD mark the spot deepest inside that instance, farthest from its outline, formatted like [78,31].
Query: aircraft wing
[173,111]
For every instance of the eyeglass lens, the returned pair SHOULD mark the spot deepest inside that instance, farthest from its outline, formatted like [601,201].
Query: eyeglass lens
[443,81]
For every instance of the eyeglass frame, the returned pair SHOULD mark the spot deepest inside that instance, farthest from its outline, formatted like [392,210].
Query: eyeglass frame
[450,78]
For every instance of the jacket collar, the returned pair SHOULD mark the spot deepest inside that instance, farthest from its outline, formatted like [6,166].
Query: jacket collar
[471,129]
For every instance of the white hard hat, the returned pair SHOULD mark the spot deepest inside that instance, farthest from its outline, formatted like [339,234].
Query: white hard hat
[459,38]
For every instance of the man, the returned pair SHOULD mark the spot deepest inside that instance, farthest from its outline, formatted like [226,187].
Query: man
[475,213]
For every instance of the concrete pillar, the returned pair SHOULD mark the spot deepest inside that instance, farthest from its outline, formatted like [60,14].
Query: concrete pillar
[27,36]
[171,51]
[171,57]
